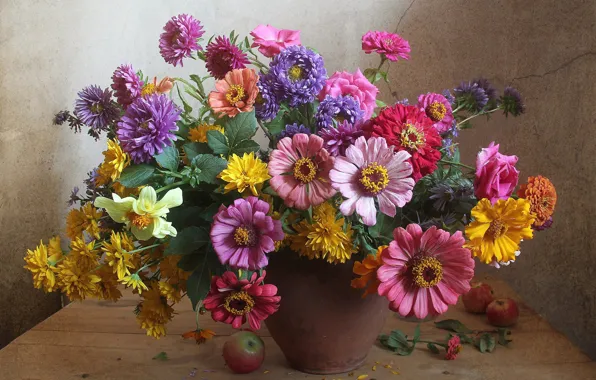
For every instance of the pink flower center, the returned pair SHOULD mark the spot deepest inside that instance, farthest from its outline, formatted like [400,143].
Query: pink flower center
[374,178]
[388,41]
[436,111]
[427,271]
[305,170]
[235,94]
[245,236]
[411,137]
[496,229]
[239,303]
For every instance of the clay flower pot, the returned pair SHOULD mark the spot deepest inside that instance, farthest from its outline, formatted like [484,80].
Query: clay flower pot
[323,325]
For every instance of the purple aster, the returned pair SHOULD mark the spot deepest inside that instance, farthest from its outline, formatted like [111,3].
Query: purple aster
[74,196]
[546,225]
[180,38]
[126,84]
[470,96]
[338,109]
[222,56]
[488,88]
[299,74]
[266,104]
[95,107]
[337,140]
[449,96]
[91,181]
[146,127]
[512,102]
[293,129]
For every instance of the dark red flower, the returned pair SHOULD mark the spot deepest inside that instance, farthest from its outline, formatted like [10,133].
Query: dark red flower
[222,56]
[234,301]
[408,128]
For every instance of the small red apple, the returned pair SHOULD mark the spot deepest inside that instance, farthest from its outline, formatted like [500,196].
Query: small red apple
[502,312]
[244,352]
[478,298]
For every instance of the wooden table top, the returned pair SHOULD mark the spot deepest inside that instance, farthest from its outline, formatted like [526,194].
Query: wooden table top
[101,340]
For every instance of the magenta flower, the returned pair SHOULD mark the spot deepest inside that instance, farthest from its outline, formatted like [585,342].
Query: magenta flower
[235,301]
[242,233]
[299,168]
[438,109]
[271,41]
[424,272]
[222,56]
[337,140]
[342,83]
[496,175]
[180,38]
[371,170]
[126,84]
[389,45]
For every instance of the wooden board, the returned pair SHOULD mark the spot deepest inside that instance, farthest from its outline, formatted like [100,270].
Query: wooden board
[101,340]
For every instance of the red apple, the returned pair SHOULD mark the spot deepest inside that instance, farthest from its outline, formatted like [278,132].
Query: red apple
[478,298]
[502,312]
[244,352]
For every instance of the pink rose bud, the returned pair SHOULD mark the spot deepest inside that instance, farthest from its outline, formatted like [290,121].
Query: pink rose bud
[271,41]
[496,175]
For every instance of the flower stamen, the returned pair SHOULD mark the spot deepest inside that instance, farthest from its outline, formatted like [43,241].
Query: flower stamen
[235,94]
[412,138]
[149,89]
[245,236]
[496,229]
[427,271]
[374,178]
[295,72]
[239,303]
[139,221]
[305,170]
[436,111]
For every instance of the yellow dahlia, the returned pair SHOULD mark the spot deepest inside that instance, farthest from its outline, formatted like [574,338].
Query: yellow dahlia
[77,281]
[497,229]
[199,133]
[108,287]
[83,219]
[171,293]
[41,264]
[84,254]
[116,254]
[245,172]
[115,160]
[154,312]
[135,282]
[542,195]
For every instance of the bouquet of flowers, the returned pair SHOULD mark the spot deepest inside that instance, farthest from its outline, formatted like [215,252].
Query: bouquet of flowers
[187,202]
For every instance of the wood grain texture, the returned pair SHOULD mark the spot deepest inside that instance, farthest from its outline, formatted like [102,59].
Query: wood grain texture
[99,340]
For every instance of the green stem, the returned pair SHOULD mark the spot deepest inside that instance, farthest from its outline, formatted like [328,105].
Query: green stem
[476,115]
[171,173]
[457,164]
[170,186]
[199,305]
[383,59]
[267,133]
[144,248]
[429,341]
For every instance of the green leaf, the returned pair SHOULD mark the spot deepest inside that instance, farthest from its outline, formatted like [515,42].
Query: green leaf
[276,125]
[136,175]
[198,283]
[486,343]
[217,142]
[190,262]
[452,325]
[187,241]
[241,127]
[197,79]
[380,103]
[210,166]
[208,212]
[168,158]
[433,348]
[187,107]
[182,217]
[416,334]
[161,356]
[384,226]
[245,146]
[195,148]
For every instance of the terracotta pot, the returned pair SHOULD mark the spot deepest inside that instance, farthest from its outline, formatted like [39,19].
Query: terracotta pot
[323,325]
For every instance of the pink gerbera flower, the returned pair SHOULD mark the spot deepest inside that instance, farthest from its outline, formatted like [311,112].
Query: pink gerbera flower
[234,301]
[390,45]
[438,109]
[242,233]
[423,273]
[300,169]
[371,170]
[180,38]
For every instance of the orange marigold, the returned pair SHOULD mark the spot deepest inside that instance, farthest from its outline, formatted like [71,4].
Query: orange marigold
[200,335]
[542,195]
[367,270]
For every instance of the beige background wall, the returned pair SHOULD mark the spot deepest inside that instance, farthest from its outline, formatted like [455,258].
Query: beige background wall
[50,50]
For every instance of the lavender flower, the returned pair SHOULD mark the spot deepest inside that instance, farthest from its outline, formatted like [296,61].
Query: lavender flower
[512,102]
[293,129]
[222,56]
[339,109]
[299,75]
[266,104]
[146,127]
[95,107]
[546,225]
[448,146]
[403,102]
[74,196]
[471,96]
[180,38]
[488,88]
[449,96]
[337,140]
[442,194]
[126,84]
[61,117]
[91,181]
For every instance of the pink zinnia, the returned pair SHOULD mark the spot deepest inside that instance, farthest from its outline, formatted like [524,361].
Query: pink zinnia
[242,233]
[271,41]
[342,83]
[300,169]
[453,348]
[423,273]
[234,301]
[438,109]
[180,38]
[390,45]
[371,170]
[222,56]
[126,84]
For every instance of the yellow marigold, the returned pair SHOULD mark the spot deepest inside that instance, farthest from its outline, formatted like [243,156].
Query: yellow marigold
[84,254]
[170,292]
[246,172]
[135,282]
[116,254]
[124,191]
[497,229]
[542,195]
[83,219]
[42,265]
[200,335]
[108,287]
[77,281]
[367,270]
[154,312]
[199,133]
[168,268]
[115,160]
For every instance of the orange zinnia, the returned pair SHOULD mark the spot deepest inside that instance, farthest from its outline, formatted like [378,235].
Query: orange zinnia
[200,335]
[367,270]
[235,93]
[542,195]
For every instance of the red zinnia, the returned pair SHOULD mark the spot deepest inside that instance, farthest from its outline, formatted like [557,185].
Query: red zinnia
[408,128]
[234,301]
